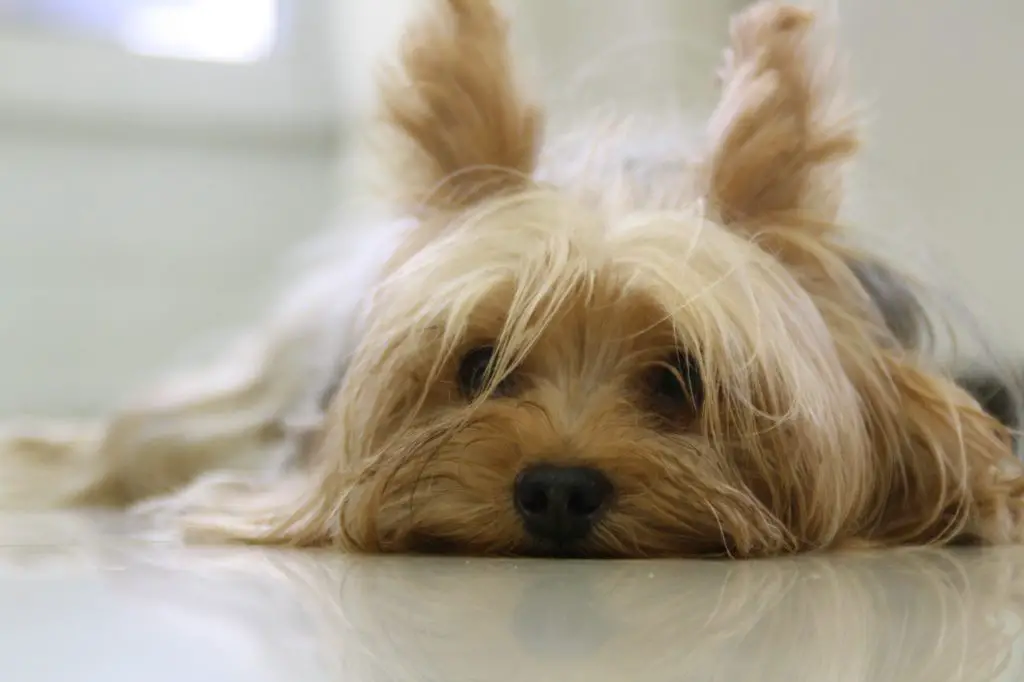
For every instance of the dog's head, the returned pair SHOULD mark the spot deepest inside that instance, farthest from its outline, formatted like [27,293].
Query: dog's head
[546,376]
[607,370]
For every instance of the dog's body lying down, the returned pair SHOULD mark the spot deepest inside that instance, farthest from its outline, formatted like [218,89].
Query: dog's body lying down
[574,356]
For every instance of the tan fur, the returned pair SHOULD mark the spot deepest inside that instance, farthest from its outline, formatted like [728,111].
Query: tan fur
[818,430]
[782,126]
[464,130]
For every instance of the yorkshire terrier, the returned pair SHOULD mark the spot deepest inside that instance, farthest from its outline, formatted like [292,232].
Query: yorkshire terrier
[600,355]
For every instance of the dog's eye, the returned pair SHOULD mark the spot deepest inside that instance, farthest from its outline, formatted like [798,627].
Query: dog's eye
[473,373]
[676,384]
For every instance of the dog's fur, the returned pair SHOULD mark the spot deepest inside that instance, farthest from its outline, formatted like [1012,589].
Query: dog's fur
[703,332]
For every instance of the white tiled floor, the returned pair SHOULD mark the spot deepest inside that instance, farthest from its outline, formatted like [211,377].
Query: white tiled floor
[82,601]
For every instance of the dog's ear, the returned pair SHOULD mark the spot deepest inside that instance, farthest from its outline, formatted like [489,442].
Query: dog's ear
[946,469]
[465,132]
[781,129]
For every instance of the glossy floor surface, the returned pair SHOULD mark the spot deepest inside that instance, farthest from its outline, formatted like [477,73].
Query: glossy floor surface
[82,600]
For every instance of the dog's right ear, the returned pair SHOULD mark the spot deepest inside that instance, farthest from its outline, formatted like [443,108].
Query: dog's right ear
[783,128]
[465,133]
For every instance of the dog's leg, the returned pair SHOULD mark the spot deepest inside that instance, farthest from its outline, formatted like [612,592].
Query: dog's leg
[51,463]
[253,408]
[154,447]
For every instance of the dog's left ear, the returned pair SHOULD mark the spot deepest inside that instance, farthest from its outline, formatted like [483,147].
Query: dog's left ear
[465,131]
[781,129]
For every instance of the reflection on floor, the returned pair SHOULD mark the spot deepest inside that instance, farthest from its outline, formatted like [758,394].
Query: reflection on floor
[82,600]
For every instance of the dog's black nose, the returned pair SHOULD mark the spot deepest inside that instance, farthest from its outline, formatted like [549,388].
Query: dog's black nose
[560,504]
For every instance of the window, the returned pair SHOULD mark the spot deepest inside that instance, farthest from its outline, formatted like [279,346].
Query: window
[233,65]
[203,30]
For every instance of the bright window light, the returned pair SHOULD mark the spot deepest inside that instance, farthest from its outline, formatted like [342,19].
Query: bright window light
[239,31]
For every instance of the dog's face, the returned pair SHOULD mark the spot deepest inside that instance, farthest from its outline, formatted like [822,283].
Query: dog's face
[552,380]
[615,371]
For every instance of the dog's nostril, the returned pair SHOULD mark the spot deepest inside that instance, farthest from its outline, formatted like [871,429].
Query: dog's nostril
[560,504]
[584,502]
[533,500]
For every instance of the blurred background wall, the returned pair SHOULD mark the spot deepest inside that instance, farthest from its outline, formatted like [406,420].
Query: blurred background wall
[159,157]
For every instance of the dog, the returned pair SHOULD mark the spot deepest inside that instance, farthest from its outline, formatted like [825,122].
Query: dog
[590,355]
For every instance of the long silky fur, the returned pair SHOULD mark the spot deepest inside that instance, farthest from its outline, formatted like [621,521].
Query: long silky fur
[335,421]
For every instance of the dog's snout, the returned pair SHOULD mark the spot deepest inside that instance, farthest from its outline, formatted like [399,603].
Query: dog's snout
[560,504]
